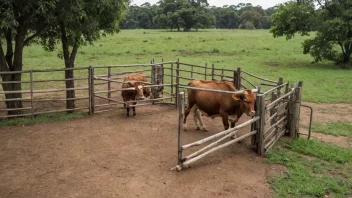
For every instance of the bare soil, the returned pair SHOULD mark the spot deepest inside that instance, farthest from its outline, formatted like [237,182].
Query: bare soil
[110,156]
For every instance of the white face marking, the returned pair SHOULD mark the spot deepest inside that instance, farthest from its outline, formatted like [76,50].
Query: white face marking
[140,87]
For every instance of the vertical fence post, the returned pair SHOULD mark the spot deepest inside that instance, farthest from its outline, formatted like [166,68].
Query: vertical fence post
[254,125]
[31,88]
[159,90]
[238,80]
[292,112]
[177,82]
[212,71]
[205,71]
[181,111]
[154,80]
[91,90]
[298,93]
[235,79]
[109,83]
[260,124]
[162,78]
[281,81]
[222,74]
[192,72]
[172,81]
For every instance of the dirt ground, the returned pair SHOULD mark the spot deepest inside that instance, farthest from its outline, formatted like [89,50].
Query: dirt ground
[110,156]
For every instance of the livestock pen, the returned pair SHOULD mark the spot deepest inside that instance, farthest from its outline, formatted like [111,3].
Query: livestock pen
[277,103]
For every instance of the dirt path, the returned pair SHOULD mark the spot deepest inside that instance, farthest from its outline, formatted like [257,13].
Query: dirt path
[109,156]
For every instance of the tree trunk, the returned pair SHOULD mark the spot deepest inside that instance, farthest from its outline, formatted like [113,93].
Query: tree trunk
[6,64]
[69,63]
[347,54]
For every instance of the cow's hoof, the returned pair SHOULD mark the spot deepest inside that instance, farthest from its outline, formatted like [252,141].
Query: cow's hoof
[204,129]
[185,127]
[198,128]
[134,116]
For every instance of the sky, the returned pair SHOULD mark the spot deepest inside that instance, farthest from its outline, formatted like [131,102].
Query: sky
[219,3]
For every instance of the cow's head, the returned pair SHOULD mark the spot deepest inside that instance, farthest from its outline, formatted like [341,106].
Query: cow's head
[139,90]
[146,92]
[247,99]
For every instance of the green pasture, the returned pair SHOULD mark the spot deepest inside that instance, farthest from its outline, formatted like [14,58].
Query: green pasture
[256,51]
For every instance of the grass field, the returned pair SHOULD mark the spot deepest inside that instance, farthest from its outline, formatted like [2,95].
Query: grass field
[255,51]
[314,169]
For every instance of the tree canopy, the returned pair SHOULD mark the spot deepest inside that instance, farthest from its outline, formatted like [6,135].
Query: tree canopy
[48,22]
[332,21]
[190,14]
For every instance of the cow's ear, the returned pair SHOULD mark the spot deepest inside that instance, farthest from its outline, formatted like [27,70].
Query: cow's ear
[236,97]
[130,84]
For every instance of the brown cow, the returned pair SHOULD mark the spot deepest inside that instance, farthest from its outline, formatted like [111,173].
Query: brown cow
[140,92]
[213,104]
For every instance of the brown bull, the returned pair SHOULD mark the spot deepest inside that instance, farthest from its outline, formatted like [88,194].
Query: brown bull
[140,92]
[213,104]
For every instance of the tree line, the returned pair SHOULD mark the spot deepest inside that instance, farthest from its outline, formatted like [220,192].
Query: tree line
[190,14]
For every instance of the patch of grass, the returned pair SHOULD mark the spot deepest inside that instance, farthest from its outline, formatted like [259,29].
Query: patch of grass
[330,152]
[339,128]
[45,118]
[310,175]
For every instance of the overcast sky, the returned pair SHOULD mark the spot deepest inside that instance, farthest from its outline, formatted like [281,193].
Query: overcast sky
[264,3]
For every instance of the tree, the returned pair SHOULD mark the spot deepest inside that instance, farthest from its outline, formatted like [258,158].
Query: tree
[332,21]
[21,21]
[75,23]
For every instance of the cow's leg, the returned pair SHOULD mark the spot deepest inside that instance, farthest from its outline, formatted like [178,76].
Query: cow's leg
[225,119]
[200,120]
[233,124]
[128,112]
[187,111]
[134,110]
[195,118]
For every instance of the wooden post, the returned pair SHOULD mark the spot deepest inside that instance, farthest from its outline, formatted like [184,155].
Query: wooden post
[238,81]
[172,81]
[254,139]
[298,96]
[192,71]
[91,89]
[177,82]
[222,74]
[292,113]
[212,72]
[235,79]
[281,81]
[31,88]
[159,90]
[181,111]
[260,124]
[109,83]
[205,71]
